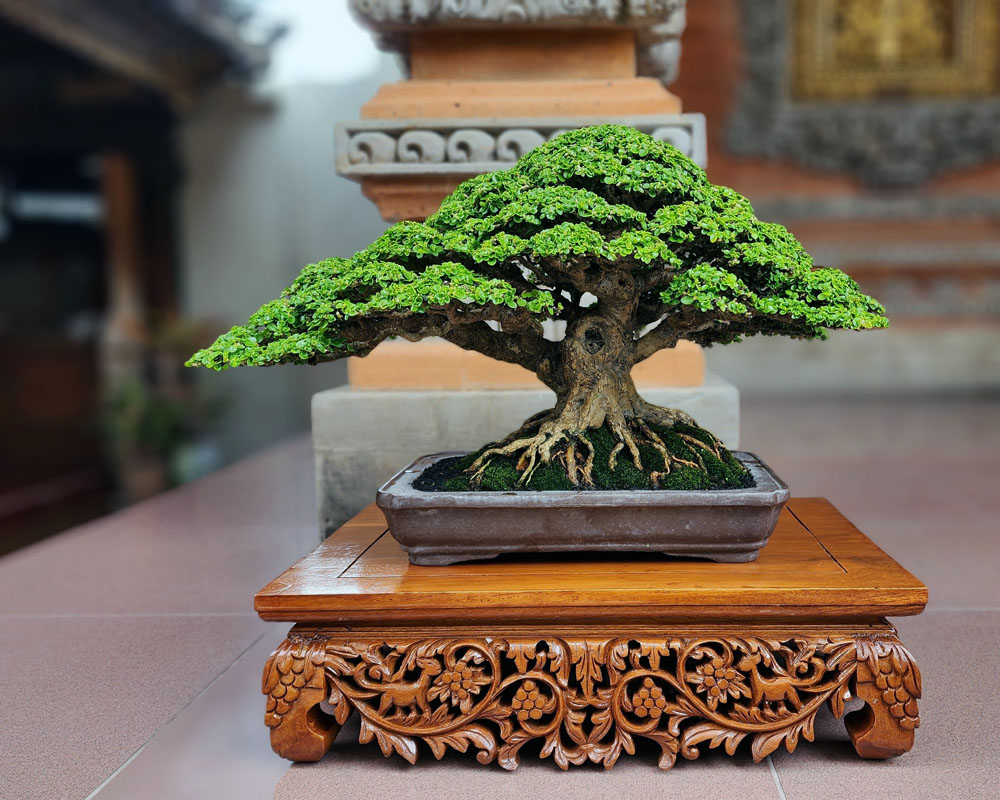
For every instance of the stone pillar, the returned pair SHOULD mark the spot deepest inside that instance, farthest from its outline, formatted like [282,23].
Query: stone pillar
[491,79]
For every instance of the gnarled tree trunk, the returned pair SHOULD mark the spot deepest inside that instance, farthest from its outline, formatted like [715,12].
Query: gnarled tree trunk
[594,388]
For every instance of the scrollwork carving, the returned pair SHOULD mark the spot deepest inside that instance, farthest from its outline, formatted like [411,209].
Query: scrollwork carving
[403,147]
[513,144]
[589,699]
[427,12]
[471,145]
[371,147]
[675,135]
[291,668]
[425,147]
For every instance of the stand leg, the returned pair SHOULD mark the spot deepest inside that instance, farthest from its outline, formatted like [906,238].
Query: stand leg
[295,686]
[888,680]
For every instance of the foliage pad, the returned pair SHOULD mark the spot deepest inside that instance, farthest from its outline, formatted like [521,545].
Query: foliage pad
[515,247]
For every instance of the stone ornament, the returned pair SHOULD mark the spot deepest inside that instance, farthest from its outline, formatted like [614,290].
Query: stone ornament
[884,141]
[471,146]
[588,698]
[658,23]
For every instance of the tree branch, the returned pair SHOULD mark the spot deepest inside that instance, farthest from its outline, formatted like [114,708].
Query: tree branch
[660,337]
[524,348]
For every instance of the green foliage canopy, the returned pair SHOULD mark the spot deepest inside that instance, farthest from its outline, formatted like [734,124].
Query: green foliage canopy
[525,244]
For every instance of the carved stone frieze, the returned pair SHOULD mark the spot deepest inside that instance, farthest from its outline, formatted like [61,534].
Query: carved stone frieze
[472,146]
[589,698]
[901,138]
[658,23]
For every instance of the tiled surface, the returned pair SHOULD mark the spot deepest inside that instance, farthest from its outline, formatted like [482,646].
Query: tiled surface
[360,771]
[130,627]
[204,548]
[82,694]
[918,476]
[954,755]
[216,747]
[109,630]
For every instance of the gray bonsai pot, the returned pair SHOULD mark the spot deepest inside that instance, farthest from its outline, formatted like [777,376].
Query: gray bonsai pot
[438,528]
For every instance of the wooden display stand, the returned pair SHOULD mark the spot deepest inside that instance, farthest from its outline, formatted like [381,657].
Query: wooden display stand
[588,653]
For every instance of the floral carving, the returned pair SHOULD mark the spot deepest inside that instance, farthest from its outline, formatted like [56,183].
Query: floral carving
[589,699]
[719,681]
[649,701]
[528,702]
[460,684]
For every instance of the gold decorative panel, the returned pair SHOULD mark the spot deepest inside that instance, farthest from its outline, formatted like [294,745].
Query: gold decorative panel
[894,48]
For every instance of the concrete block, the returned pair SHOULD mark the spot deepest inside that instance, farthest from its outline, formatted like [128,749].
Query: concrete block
[362,438]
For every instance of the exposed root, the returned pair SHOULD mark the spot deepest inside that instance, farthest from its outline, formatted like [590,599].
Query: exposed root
[529,468]
[613,458]
[620,429]
[546,438]
[569,461]
[669,459]
[480,464]
[698,458]
[536,449]
[531,422]
[684,462]
[658,445]
[695,441]
[587,472]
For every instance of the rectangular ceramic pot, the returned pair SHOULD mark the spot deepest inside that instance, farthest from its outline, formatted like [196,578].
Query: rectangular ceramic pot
[437,528]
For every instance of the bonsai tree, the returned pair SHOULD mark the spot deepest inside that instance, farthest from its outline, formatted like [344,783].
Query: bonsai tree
[606,229]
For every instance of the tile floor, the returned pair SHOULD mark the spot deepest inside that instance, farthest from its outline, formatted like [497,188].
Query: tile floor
[132,668]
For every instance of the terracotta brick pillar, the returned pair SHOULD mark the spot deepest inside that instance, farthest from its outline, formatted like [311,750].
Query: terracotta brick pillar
[487,82]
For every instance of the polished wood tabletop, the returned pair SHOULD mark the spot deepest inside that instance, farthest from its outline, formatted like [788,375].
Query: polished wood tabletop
[816,566]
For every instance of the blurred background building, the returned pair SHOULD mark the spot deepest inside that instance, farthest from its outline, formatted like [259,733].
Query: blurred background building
[167,165]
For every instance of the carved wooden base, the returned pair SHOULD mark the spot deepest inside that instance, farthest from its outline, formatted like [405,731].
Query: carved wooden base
[589,696]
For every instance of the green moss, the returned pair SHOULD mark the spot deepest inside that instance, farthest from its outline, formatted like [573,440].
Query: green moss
[549,478]
[738,476]
[717,472]
[469,459]
[460,483]
[500,475]
[651,458]
[686,478]
[624,475]
[674,443]
[725,473]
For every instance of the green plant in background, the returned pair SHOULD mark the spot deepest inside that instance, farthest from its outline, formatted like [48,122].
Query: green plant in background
[143,420]
[620,236]
[157,422]
[148,420]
